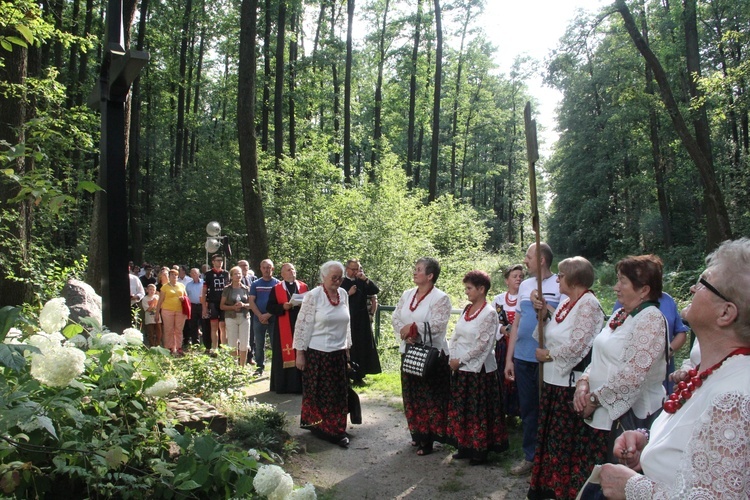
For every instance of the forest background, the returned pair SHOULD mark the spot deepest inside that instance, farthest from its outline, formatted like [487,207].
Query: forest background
[307,145]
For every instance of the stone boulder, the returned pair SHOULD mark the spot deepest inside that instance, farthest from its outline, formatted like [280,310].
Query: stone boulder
[82,301]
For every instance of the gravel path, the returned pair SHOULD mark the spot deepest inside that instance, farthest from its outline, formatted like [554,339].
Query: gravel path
[380,462]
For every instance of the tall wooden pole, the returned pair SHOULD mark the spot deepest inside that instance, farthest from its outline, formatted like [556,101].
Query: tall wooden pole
[532,152]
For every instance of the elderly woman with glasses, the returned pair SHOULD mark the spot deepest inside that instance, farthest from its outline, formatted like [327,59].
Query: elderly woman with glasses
[622,387]
[699,447]
[425,399]
[322,338]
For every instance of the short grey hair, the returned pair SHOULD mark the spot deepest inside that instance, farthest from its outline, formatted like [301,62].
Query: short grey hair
[326,268]
[731,266]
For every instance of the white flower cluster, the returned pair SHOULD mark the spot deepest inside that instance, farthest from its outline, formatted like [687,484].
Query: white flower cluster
[272,482]
[54,315]
[161,388]
[133,336]
[57,365]
[252,452]
[80,341]
[111,338]
[307,492]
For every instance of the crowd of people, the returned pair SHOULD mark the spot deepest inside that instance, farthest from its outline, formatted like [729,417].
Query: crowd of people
[591,388]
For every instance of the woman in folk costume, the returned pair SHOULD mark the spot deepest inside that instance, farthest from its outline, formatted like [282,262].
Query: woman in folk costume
[425,399]
[476,421]
[322,340]
[285,377]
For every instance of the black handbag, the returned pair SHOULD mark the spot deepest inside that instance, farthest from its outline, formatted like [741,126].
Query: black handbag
[420,359]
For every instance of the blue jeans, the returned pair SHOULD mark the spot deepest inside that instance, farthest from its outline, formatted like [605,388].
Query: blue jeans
[527,380]
[259,334]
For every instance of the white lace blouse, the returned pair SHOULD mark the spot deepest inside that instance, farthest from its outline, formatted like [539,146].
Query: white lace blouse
[628,366]
[321,325]
[570,340]
[703,450]
[473,342]
[435,309]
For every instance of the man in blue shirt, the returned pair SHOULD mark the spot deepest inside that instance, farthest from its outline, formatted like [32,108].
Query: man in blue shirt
[194,289]
[260,290]
[521,364]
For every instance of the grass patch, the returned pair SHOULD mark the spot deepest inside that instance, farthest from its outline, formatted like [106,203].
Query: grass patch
[451,486]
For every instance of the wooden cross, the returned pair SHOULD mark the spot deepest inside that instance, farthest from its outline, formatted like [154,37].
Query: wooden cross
[118,71]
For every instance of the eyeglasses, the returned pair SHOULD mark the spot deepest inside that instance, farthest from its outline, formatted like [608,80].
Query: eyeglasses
[702,283]
[336,278]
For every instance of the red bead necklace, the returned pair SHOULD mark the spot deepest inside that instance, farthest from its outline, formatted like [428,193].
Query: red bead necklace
[618,319]
[563,312]
[338,298]
[473,316]
[412,305]
[684,390]
[510,303]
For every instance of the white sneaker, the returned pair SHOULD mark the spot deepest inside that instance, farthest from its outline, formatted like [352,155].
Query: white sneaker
[522,468]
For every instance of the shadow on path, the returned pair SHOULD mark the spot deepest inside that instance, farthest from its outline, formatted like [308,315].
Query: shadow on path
[380,462]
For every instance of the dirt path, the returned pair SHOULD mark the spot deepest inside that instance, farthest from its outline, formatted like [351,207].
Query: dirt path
[380,462]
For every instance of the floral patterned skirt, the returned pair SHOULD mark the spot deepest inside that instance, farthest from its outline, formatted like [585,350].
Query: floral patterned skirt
[567,448]
[426,403]
[476,421]
[324,394]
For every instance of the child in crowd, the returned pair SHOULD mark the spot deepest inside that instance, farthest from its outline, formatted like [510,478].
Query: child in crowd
[152,321]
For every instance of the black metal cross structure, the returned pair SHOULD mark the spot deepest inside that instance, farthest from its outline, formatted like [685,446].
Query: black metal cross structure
[119,69]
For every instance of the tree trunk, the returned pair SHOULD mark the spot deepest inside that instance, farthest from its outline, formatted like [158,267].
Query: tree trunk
[413,95]
[134,157]
[198,83]
[278,95]
[454,121]
[435,146]
[717,219]
[292,75]
[656,156]
[15,244]
[257,238]
[180,126]
[348,94]
[266,104]
[378,129]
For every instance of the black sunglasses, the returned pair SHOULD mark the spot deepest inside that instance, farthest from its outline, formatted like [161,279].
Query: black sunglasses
[705,284]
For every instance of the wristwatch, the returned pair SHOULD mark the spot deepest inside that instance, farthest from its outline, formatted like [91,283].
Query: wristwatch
[594,400]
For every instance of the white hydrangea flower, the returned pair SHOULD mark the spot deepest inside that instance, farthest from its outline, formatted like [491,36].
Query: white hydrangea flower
[119,355]
[254,453]
[305,493]
[161,388]
[43,341]
[57,366]
[133,336]
[112,338]
[271,481]
[54,315]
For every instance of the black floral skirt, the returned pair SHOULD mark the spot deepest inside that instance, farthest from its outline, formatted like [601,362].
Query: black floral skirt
[426,403]
[476,421]
[567,448]
[324,394]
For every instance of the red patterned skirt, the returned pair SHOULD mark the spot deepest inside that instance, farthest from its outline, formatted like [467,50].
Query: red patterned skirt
[324,394]
[426,403]
[567,448]
[476,420]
